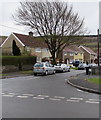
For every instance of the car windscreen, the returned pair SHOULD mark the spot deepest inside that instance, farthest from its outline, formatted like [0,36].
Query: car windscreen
[38,65]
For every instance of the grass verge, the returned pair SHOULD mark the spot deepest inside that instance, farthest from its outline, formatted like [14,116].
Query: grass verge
[95,80]
[30,72]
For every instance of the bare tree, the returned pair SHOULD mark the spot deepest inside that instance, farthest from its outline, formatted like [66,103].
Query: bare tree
[53,20]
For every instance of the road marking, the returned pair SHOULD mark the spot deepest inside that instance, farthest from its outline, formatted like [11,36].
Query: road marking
[92,102]
[22,96]
[40,98]
[42,95]
[80,90]
[2,93]
[8,95]
[76,98]
[54,99]
[59,97]
[68,100]
[28,94]
[12,93]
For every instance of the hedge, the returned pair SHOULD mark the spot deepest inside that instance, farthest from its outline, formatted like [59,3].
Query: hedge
[16,60]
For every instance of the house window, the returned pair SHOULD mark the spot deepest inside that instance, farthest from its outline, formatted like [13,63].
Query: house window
[76,53]
[65,54]
[71,54]
[28,48]
[71,61]
[45,49]
[38,50]
[38,59]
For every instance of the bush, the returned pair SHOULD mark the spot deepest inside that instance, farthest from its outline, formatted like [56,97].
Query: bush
[16,60]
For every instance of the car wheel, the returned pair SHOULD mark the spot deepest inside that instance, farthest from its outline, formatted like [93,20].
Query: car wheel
[35,74]
[64,70]
[46,72]
[54,72]
[69,70]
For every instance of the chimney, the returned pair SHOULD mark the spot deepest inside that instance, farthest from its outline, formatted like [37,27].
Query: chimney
[31,34]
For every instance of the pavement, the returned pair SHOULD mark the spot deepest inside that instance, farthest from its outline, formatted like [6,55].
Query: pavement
[79,81]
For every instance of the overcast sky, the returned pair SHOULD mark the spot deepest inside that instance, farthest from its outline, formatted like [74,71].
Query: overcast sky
[88,9]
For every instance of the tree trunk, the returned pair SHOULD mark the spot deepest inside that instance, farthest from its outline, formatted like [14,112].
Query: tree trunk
[59,55]
[53,58]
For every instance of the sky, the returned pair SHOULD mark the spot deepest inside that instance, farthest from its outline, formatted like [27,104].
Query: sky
[87,9]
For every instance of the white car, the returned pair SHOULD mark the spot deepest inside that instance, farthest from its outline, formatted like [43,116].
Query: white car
[92,65]
[44,68]
[82,66]
[62,68]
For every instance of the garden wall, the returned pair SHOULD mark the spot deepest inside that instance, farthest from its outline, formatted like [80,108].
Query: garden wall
[96,70]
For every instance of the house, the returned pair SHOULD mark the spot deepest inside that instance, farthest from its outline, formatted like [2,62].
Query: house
[36,46]
[72,53]
[25,43]
[89,54]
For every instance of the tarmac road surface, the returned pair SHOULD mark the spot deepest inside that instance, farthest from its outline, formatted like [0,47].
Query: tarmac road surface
[47,97]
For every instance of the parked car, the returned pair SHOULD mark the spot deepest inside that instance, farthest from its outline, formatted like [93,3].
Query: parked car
[76,63]
[82,66]
[62,68]
[92,65]
[44,68]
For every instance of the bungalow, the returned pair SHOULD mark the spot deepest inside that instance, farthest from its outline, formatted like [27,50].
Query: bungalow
[89,54]
[25,43]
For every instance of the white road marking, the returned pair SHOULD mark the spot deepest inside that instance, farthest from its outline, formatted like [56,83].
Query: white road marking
[8,95]
[41,98]
[54,99]
[2,93]
[68,100]
[12,93]
[22,96]
[80,90]
[59,97]
[42,95]
[28,94]
[92,102]
[76,98]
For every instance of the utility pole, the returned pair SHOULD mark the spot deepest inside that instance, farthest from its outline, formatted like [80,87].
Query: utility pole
[98,46]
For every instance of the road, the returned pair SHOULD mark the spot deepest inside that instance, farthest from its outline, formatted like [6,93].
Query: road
[47,97]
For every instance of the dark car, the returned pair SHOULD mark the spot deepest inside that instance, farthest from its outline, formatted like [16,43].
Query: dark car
[76,63]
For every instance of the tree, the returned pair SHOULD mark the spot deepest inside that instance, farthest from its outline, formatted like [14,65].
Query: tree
[15,49]
[53,20]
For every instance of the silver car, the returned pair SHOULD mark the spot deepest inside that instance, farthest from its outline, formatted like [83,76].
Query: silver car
[62,68]
[82,66]
[44,68]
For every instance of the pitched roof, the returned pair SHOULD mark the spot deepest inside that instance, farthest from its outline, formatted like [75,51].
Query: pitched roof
[73,48]
[2,39]
[31,41]
[89,50]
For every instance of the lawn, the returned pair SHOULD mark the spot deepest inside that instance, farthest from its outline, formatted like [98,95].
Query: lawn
[95,80]
[3,74]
